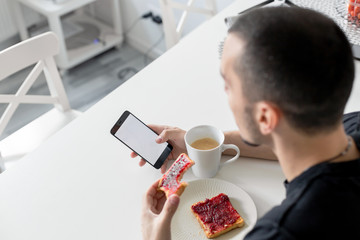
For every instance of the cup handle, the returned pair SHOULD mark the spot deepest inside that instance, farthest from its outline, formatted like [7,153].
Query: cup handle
[231,146]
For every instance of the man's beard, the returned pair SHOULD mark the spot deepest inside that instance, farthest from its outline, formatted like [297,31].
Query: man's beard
[252,128]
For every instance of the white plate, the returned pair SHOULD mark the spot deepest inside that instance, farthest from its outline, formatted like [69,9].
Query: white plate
[185,226]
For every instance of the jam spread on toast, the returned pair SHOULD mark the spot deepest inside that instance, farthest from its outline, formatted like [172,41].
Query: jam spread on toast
[216,213]
[171,179]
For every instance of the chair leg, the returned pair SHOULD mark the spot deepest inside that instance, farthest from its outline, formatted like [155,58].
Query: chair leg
[2,165]
[211,5]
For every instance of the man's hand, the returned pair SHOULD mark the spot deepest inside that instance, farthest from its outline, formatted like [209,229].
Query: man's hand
[157,213]
[173,135]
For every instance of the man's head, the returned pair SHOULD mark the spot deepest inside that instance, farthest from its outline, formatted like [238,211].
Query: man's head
[291,63]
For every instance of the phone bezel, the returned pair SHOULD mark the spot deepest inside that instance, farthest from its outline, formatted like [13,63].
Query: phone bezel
[160,161]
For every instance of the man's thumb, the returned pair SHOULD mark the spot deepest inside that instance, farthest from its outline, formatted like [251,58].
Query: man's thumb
[170,207]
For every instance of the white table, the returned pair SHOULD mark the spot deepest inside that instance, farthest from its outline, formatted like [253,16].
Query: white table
[82,184]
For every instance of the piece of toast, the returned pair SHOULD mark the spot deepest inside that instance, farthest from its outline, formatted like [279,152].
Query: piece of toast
[170,181]
[217,215]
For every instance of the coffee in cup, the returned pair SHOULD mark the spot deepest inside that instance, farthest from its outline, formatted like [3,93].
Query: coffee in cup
[205,145]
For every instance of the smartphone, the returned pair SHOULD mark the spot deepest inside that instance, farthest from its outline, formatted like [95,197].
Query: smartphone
[141,139]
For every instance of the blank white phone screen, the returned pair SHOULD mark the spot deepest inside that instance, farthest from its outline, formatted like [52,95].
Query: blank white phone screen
[141,139]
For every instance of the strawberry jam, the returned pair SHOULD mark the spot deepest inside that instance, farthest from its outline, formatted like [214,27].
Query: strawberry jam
[171,180]
[216,213]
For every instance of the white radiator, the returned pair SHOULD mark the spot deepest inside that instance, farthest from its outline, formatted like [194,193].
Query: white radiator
[7,25]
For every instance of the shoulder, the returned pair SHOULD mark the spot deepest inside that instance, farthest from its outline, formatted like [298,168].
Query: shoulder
[309,210]
[270,228]
[356,137]
[333,195]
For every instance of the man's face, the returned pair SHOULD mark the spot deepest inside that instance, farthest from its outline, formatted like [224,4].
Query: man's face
[241,108]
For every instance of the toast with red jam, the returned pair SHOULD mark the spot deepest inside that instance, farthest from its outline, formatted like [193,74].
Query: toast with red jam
[170,181]
[217,215]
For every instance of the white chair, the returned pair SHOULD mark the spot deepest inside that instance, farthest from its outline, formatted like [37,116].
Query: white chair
[39,50]
[172,29]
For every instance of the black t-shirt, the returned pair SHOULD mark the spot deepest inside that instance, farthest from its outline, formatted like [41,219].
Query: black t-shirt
[322,203]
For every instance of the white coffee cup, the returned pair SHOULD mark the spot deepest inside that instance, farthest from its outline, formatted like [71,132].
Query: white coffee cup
[207,162]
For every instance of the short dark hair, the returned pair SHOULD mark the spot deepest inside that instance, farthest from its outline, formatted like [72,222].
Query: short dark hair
[298,59]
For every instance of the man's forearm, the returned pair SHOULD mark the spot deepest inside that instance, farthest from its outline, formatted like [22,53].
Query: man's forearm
[262,152]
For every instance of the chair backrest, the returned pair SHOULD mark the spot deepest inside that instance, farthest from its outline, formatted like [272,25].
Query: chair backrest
[174,29]
[2,166]
[39,50]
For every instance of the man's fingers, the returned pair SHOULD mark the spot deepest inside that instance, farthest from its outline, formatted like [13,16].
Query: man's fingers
[157,128]
[169,134]
[150,194]
[170,207]
[142,162]
[164,167]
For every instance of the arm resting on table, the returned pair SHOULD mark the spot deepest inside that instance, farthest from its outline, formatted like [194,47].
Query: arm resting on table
[262,152]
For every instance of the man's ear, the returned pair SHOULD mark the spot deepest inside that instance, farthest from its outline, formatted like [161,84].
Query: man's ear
[267,116]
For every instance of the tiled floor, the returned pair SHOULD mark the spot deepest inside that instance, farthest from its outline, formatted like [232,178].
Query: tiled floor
[85,84]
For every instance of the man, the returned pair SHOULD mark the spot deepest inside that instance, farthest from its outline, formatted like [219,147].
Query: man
[288,73]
